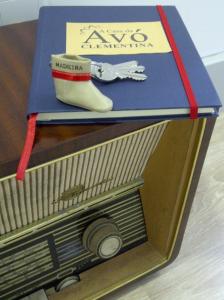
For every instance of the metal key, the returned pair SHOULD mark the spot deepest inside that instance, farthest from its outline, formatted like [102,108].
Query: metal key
[128,67]
[108,72]
[138,69]
[98,67]
[132,75]
[104,72]
[127,64]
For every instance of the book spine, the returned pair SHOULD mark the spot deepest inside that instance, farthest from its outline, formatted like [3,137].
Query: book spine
[36,62]
[32,112]
[180,65]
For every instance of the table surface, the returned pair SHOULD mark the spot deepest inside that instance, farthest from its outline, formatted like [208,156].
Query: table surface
[198,271]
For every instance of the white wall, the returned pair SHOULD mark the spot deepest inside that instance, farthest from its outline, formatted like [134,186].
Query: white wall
[204,18]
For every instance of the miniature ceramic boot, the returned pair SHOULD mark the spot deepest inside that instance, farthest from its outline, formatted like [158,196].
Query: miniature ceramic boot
[73,85]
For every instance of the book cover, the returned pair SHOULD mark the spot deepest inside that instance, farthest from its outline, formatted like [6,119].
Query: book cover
[162,95]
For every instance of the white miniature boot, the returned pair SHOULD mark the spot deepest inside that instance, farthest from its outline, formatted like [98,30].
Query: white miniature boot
[73,85]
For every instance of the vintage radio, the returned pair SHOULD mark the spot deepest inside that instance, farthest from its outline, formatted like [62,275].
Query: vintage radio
[72,213]
[138,179]
[103,227]
[114,209]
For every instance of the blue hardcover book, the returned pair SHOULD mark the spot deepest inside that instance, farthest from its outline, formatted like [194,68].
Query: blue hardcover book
[166,93]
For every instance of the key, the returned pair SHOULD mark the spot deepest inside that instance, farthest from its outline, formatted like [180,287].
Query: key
[131,63]
[132,75]
[107,72]
[97,68]
[131,69]
[127,64]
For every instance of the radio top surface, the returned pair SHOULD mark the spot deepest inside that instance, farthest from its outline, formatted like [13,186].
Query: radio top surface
[17,52]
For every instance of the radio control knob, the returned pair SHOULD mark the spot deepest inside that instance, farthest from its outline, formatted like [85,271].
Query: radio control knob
[67,282]
[102,237]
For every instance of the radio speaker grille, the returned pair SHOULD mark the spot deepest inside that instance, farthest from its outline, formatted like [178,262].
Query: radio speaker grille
[71,180]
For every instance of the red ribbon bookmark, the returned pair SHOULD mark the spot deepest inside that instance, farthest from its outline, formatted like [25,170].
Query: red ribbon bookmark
[180,65]
[27,149]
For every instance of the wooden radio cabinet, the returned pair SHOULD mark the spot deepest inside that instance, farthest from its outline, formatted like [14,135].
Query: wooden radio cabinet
[170,176]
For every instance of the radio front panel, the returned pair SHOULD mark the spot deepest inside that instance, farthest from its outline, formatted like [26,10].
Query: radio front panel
[70,181]
[57,250]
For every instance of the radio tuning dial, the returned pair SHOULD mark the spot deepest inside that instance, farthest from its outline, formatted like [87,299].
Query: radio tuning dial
[102,237]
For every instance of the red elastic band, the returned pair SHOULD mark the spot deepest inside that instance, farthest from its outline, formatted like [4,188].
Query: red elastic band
[71,76]
[27,149]
[180,65]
